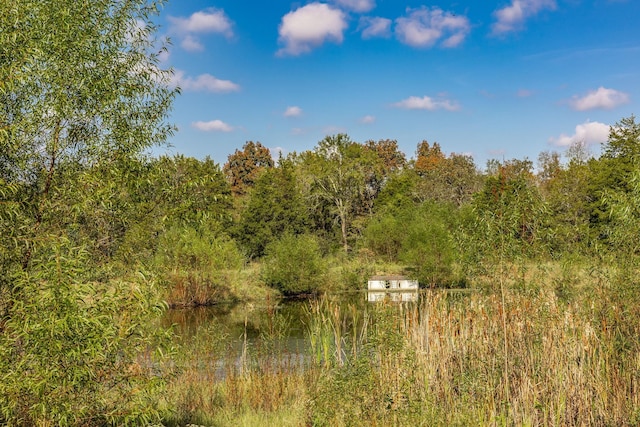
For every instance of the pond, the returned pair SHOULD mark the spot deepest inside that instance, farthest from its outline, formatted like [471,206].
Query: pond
[228,337]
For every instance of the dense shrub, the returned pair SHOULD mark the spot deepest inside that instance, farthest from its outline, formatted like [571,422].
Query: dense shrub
[294,264]
[80,353]
[197,265]
[202,248]
[428,248]
[417,235]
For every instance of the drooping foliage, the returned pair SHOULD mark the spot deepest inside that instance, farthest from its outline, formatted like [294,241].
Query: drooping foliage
[510,211]
[565,189]
[82,99]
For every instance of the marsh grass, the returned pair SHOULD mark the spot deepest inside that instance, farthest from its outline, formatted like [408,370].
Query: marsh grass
[442,363]
[221,384]
[569,340]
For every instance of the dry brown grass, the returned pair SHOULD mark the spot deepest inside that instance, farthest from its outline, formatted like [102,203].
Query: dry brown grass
[562,370]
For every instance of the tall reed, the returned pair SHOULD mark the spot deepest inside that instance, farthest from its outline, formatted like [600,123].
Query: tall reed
[442,362]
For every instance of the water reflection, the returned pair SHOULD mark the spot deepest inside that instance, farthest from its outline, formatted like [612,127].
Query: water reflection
[395,296]
[230,338]
[286,319]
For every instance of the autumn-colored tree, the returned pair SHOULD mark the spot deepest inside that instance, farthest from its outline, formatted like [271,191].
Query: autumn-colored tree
[243,167]
[513,168]
[451,179]
[387,149]
[428,157]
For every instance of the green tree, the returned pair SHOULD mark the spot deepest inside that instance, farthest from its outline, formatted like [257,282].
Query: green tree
[390,162]
[340,171]
[428,246]
[625,212]
[275,207]
[386,231]
[188,189]
[624,141]
[171,192]
[612,173]
[82,98]
[549,166]
[622,154]
[511,212]
[564,189]
[399,189]
[419,235]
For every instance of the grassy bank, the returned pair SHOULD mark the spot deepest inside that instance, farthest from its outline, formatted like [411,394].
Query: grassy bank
[250,283]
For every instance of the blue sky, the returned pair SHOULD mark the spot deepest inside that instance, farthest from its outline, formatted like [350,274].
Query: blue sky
[493,79]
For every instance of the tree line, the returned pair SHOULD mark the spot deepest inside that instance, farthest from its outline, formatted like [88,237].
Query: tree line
[433,213]
[369,197]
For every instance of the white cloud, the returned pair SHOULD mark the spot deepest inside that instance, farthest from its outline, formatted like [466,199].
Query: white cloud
[293,111]
[425,27]
[588,132]
[191,44]
[359,6]
[368,120]
[511,18]
[374,27]
[210,20]
[310,26]
[427,103]
[524,93]
[204,82]
[600,98]
[212,126]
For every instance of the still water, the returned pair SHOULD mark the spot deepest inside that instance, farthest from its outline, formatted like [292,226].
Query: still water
[281,319]
[240,333]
